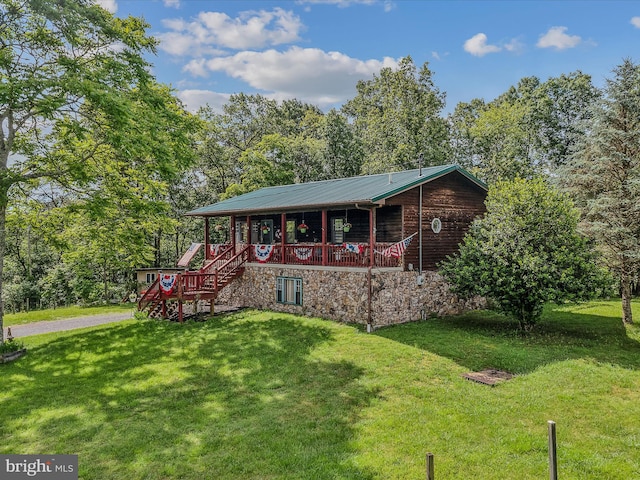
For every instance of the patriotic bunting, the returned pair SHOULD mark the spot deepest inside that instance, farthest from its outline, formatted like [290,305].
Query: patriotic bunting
[353,248]
[303,254]
[167,283]
[214,249]
[263,252]
[397,249]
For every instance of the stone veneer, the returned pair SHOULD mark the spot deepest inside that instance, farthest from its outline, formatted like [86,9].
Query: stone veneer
[341,293]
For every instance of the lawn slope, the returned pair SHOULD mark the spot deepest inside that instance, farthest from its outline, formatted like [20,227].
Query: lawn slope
[271,396]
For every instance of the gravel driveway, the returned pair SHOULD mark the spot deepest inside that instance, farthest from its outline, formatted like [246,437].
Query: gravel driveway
[68,324]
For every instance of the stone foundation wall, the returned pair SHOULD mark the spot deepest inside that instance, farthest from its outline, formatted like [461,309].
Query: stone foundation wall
[342,294]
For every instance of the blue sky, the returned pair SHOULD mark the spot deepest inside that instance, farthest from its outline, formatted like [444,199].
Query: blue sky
[317,50]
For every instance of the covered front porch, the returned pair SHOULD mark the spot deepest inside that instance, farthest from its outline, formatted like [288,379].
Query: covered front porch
[349,237]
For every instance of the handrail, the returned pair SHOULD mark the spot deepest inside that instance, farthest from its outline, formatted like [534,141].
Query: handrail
[195,281]
[238,254]
[146,298]
[219,257]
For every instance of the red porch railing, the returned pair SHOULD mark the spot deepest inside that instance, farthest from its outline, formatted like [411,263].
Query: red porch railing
[215,275]
[203,284]
[344,255]
[150,294]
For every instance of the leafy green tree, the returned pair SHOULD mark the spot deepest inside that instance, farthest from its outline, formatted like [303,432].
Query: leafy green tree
[561,110]
[397,116]
[603,176]
[528,130]
[343,155]
[524,252]
[501,140]
[269,164]
[460,123]
[75,92]
[57,286]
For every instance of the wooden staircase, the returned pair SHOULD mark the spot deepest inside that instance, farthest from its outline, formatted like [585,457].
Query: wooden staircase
[201,285]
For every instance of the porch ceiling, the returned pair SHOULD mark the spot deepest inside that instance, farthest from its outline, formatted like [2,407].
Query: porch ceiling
[365,190]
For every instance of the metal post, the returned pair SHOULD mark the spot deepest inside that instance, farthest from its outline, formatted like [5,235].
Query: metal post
[553,460]
[420,234]
[430,474]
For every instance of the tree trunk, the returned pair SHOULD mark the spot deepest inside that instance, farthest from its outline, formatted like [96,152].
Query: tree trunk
[625,287]
[3,240]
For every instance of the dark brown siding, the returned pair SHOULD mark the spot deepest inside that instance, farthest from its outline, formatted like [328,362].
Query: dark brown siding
[389,223]
[453,199]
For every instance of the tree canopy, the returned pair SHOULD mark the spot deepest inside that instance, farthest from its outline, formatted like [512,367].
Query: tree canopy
[528,130]
[99,162]
[397,117]
[82,116]
[603,175]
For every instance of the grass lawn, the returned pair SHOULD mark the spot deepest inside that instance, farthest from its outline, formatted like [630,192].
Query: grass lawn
[21,318]
[260,395]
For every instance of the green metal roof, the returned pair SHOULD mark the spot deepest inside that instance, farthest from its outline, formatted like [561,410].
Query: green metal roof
[341,192]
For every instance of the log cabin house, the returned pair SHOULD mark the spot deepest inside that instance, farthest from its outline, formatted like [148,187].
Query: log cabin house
[361,249]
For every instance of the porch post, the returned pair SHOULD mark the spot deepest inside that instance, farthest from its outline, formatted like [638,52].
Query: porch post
[206,238]
[249,235]
[324,238]
[283,236]
[372,237]
[180,291]
[232,232]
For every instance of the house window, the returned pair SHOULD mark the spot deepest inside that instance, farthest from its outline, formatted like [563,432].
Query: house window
[289,290]
[151,277]
[337,232]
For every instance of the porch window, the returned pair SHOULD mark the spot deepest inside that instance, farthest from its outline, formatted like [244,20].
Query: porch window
[337,232]
[151,277]
[289,290]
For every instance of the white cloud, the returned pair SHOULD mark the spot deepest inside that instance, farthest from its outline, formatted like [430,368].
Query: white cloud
[477,46]
[389,6]
[309,74]
[514,46]
[194,99]
[439,55]
[197,67]
[635,21]
[171,3]
[109,5]
[340,3]
[558,39]
[210,30]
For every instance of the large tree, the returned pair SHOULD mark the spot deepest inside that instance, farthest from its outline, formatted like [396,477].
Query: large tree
[397,116]
[75,94]
[603,176]
[525,251]
[530,129]
[343,155]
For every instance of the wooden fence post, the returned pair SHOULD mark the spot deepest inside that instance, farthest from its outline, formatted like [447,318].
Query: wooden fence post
[553,460]
[430,475]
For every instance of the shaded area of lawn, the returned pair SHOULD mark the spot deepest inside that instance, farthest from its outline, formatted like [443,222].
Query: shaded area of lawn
[259,395]
[239,397]
[484,339]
